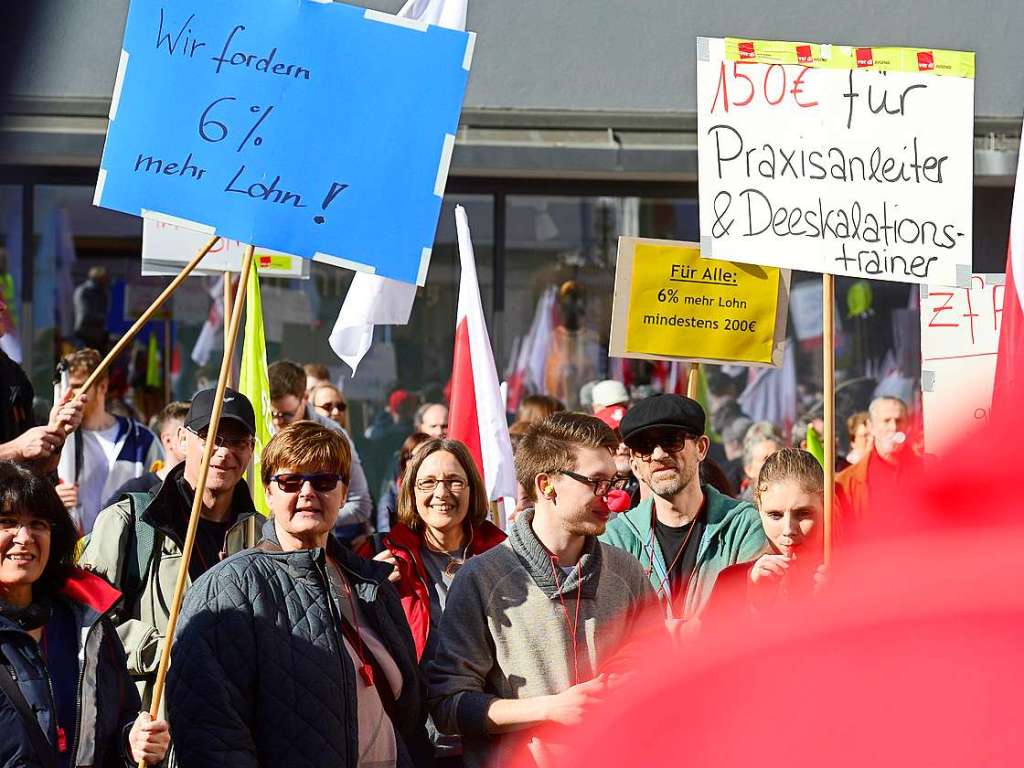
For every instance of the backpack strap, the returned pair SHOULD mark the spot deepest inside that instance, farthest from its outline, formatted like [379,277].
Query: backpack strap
[142,543]
[45,752]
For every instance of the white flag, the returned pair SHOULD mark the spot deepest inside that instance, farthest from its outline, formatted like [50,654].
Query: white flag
[443,13]
[371,300]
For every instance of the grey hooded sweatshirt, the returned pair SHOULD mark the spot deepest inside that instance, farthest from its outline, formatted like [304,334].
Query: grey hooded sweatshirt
[507,629]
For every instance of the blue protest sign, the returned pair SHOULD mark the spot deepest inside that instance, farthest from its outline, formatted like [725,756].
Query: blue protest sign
[317,129]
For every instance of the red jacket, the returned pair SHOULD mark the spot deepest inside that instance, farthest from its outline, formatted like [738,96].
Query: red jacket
[857,486]
[413,589]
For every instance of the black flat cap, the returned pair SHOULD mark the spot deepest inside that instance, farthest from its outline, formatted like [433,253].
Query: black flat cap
[663,411]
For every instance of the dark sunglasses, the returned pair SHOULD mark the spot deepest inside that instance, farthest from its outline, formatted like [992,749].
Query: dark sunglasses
[643,445]
[322,482]
[339,406]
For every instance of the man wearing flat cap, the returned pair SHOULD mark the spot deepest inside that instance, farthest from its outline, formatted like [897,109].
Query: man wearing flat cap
[136,543]
[684,534]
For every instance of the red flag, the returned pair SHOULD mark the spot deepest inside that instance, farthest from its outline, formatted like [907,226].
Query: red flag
[908,655]
[1010,361]
[477,414]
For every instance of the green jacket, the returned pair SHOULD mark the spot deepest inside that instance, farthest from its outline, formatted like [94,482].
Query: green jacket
[141,619]
[732,534]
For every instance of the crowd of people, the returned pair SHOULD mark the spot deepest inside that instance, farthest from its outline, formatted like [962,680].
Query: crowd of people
[381,616]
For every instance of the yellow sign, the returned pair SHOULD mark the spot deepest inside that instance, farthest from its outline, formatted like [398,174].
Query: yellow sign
[683,306]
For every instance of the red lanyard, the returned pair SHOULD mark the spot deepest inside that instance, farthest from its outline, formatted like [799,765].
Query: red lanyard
[351,630]
[62,736]
[565,612]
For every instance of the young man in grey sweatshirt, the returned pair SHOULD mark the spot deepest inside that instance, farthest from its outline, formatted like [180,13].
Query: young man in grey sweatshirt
[532,625]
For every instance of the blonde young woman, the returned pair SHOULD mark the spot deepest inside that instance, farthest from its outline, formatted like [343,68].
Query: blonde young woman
[789,497]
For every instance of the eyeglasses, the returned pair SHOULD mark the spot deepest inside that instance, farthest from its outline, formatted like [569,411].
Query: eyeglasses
[11,525]
[339,407]
[600,485]
[322,482]
[670,442]
[226,441]
[453,484]
[287,418]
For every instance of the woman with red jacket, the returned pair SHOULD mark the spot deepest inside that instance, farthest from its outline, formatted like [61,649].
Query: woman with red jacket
[66,699]
[442,521]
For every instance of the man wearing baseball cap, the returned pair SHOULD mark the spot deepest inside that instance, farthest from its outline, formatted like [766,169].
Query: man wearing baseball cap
[684,534]
[608,393]
[136,543]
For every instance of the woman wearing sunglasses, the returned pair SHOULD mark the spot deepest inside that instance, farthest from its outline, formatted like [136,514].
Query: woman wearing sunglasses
[296,652]
[442,521]
[65,695]
[329,402]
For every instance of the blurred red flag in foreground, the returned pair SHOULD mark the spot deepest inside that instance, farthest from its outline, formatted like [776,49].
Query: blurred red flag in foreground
[913,656]
[1010,362]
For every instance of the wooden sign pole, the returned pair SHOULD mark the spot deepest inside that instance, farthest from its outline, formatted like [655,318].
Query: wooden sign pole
[204,468]
[829,400]
[130,334]
[227,305]
[692,381]
[227,314]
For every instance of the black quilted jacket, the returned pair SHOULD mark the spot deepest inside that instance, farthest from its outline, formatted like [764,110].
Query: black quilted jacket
[259,675]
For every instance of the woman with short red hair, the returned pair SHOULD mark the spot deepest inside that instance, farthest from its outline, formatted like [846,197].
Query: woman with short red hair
[296,652]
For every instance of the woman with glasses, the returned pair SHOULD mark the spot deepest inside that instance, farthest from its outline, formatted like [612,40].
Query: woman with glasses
[329,402]
[296,652]
[65,695]
[442,522]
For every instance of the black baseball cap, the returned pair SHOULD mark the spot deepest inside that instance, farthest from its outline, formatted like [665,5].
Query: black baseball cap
[663,411]
[236,408]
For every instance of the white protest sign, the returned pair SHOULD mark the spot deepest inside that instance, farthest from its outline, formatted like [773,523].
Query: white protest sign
[959,342]
[853,161]
[805,301]
[167,248]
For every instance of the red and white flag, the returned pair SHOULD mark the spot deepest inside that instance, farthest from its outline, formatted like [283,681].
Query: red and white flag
[477,412]
[1010,361]
[526,371]
[677,377]
[209,334]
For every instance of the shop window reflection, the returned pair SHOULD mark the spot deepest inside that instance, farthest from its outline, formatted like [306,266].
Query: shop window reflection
[561,255]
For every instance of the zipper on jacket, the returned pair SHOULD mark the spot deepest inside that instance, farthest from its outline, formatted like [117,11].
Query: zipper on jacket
[73,746]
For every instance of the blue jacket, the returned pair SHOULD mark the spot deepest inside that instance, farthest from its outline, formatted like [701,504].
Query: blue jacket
[108,702]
